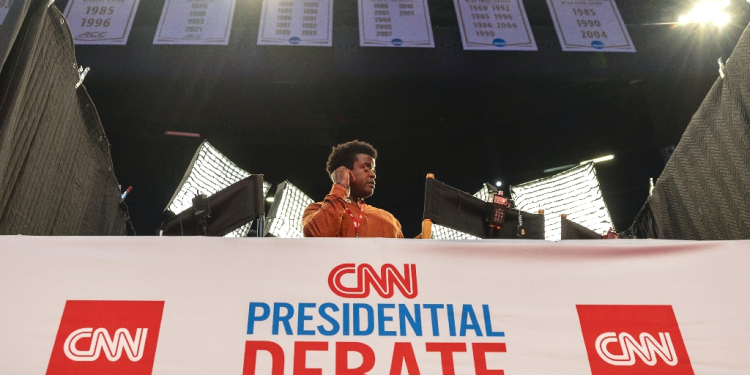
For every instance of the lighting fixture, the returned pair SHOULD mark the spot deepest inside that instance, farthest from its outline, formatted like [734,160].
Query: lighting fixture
[285,217]
[182,134]
[574,192]
[560,168]
[598,160]
[440,232]
[568,166]
[707,11]
[209,172]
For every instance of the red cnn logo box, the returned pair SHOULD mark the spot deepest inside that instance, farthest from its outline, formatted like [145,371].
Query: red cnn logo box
[106,337]
[385,284]
[633,340]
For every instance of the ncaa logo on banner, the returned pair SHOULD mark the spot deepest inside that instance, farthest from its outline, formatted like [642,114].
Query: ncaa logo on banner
[633,340]
[365,277]
[106,337]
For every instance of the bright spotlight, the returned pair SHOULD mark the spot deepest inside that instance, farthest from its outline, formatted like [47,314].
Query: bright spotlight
[285,216]
[598,160]
[574,192]
[209,172]
[568,166]
[498,184]
[707,11]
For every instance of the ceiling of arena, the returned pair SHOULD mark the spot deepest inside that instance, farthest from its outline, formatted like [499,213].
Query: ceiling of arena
[466,116]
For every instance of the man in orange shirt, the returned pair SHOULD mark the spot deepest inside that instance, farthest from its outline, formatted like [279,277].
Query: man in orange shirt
[344,212]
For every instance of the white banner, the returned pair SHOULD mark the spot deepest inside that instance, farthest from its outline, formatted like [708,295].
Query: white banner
[195,22]
[590,25]
[101,21]
[395,23]
[4,6]
[372,306]
[494,25]
[296,23]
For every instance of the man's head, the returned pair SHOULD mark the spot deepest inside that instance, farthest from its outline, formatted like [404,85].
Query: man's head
[359,157]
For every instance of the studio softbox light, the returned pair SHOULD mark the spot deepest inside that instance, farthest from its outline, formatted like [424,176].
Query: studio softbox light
[574,192]
[285,217]
[209,172]
[229,210]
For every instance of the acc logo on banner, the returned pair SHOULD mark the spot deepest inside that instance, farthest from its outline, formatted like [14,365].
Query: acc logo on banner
[642,340]
[94,335]
[385,284]
[92,34]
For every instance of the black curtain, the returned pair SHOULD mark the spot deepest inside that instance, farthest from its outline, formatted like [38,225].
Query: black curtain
[704,191]
[56,174]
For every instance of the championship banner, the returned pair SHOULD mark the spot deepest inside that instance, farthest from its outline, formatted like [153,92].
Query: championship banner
[270,306]
[590,25]
[494,25]
[195,22]
[4,7]
[101,21]
[395,23]
[296,23]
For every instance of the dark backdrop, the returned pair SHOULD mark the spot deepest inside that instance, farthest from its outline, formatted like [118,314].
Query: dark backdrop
[466,116]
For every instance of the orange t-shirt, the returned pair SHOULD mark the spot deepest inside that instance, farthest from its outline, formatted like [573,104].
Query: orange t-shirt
[330,219]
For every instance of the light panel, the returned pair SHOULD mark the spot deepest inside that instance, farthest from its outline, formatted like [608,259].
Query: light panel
[598,160]
[484,193]
[209,172]
[285,218]
[440,232]
[574,192]
[241,231]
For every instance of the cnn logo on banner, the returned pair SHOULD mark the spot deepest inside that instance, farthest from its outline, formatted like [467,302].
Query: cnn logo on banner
[365,276]
[106,337]
[102,341]
[625,339]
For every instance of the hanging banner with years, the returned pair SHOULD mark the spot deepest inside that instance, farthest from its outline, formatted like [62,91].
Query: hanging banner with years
[4,6]
[395,23]
[494,25]
[195,22]
[590,25]
[101,21]
[296,22]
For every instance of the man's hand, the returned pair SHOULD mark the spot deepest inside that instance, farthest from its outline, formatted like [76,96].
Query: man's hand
[342,175]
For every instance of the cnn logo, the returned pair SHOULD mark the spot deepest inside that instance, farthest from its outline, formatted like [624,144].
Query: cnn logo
[102,341]
[625,339]
[106,337]
[647,348]
[385,283]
